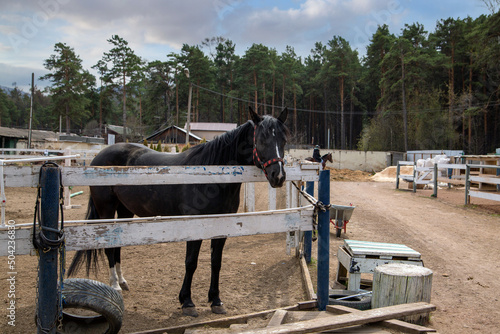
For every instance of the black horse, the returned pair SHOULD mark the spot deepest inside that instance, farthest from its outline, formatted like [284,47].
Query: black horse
[259,142]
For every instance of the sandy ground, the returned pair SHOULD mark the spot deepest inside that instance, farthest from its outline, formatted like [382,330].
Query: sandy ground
[460,244]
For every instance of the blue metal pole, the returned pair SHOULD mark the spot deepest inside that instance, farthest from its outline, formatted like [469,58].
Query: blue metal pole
[323,282]
[308,234]
[47,274]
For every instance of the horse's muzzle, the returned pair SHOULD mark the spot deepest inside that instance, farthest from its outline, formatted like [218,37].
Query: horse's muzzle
[276,175]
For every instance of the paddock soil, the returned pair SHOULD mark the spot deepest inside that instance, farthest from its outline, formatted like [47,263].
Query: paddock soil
[460,244]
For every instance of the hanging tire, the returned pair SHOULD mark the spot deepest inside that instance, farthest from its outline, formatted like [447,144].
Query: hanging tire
[363,302]
[103,302]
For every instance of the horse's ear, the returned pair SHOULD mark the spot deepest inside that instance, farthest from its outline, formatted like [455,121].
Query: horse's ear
[282,117]
[255,117]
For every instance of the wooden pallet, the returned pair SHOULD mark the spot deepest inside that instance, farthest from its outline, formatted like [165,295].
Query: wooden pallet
[356,257]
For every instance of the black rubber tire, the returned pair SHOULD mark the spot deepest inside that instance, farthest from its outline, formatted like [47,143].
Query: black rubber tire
[339,231]
[360,303]
[82,293]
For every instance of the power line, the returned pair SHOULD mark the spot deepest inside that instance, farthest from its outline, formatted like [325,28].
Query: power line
[354,112]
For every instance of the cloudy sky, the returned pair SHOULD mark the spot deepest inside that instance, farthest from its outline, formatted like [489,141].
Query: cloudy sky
[29,29]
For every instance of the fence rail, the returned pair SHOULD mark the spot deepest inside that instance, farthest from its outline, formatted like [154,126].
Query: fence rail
[419,176]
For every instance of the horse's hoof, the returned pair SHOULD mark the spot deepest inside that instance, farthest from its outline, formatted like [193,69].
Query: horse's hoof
[218,309]
[124,286]
[190,311]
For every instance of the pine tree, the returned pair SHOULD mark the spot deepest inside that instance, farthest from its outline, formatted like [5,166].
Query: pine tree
[70,83]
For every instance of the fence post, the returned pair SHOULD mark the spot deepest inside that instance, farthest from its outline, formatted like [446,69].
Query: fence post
[323,241]
[398,169]
[308,234]
[435,179]
[47,273]
[467,184]
[414,177]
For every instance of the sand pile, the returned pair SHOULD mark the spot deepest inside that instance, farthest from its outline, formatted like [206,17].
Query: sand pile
[389,174]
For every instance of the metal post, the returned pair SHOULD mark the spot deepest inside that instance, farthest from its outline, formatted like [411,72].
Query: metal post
[47,274]
[308,234]
[323,282]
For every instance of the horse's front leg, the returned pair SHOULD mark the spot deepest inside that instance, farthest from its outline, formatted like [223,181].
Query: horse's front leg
[116,279]
[213,294]
[192,252]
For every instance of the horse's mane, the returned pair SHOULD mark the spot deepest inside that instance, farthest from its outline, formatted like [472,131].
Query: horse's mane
[221,150]
[225,149]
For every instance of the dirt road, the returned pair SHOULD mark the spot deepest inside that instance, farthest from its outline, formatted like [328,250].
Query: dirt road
[461,246]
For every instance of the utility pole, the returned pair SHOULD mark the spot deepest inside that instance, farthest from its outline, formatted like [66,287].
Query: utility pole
[186,72]
[31,108]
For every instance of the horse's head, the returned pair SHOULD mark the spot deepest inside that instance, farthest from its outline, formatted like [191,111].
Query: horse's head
[328,157]
[269,139]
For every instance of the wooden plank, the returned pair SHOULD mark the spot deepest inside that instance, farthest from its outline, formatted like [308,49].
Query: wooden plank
[172,229]
[27,176]
[392,324]
[22,240]
[484,195]
[306,278]
[277,318]
[224,322]
[356,247]
[485,179]
[345,320]
[453,180]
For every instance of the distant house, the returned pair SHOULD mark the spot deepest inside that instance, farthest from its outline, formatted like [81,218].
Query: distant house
[18,138]
[114,134]
[210,130]
[173,135]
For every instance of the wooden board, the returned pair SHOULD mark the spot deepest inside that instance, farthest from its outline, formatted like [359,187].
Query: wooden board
[346,320]
[27,176]
[485,195]
[393,324]
[383,250]
[172,229]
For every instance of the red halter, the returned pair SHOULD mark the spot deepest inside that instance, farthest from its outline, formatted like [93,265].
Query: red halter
[256,159]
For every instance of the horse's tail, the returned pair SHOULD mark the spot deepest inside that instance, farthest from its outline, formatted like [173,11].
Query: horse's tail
[91,256]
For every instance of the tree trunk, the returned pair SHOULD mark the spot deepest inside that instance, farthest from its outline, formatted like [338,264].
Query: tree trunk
[342,121]
[124,110]
[255,94]
[397,283]
[295,116]
[403,95]
[67,120]
[274,93]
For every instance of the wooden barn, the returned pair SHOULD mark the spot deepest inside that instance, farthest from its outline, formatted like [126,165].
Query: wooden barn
[173,135]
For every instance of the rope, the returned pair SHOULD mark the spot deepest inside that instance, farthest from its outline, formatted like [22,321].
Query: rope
[316,203]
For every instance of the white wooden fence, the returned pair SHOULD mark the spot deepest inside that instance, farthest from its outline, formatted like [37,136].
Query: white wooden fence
[432,175]
[141,231]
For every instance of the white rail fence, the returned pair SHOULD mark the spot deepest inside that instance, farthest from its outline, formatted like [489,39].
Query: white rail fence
[150,230]
[433,175]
